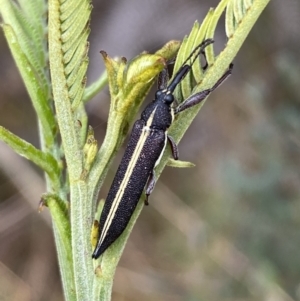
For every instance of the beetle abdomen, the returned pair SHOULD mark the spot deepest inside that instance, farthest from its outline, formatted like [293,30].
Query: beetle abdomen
[144,148]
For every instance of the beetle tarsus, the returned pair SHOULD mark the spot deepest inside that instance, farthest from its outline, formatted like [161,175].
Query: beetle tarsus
[174,147]
[150,186]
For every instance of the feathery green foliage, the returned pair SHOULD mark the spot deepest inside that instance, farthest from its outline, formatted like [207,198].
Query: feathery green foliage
[25,35]
[248,12]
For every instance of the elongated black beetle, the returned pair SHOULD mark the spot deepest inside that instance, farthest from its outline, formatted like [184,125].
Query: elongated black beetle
[144,150]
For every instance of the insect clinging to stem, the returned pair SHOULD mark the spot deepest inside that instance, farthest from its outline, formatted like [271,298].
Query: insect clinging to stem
[144,150]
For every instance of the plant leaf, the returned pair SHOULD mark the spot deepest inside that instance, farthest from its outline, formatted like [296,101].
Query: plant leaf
[44,160]
[27,45]
[75,16]
[179,164]
[31,39]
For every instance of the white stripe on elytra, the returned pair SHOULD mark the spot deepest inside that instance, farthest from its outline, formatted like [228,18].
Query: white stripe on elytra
[162,151]
[115,204]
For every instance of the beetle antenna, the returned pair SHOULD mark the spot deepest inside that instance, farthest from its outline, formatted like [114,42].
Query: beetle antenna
[200,48]
[185,68]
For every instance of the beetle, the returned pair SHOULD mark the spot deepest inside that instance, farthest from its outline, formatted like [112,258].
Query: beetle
[145,148]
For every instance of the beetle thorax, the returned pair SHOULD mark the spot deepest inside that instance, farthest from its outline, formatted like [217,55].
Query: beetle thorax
[160,114]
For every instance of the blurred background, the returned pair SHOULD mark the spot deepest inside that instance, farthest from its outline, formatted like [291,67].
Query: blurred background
[227,229]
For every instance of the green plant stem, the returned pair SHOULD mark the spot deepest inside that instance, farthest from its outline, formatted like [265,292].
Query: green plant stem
[65,268]
[110,258]
[62,235]
[106,154]
[80,205]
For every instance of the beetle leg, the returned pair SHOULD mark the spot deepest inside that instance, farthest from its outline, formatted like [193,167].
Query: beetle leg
[163,78]
[174,147]
[150,186]
[198,97]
